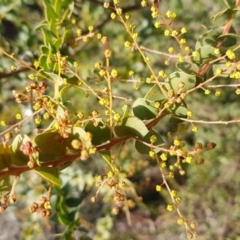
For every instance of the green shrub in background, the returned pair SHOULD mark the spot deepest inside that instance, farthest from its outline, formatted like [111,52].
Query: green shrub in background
[112,108]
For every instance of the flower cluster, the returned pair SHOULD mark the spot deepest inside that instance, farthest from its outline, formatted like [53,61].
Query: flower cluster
[43,208]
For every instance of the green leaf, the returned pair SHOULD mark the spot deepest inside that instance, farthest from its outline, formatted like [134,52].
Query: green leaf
[60,204]
[65,188]
[226,70]
[67,92]
[17,156]
[209,38]
[49,11]
[72,218]
[62,94]
[58,7]
[55,77]
[51,146]
[230,3]
[206,54]
[5,160]
[45,50]
[57,43]
[144,149]
[18,141]
[47,37]
[60,112]
[61,5]
[101,133]
[144,109]
[73,202]
[50,174]
[131,126]
[179,110]
[79,134]
[213,36]
[68,235]
[63,219]
[73,80]
[65,15]
[154,94]
[5,185]
[173,124]
[175,78]
[106,156]
[228,40]
[43,61]
[68,105]
[53,28]
[221,17]
[187,67]
[125,111]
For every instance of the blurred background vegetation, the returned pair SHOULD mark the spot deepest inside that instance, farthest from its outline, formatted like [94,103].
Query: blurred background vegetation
[210,192]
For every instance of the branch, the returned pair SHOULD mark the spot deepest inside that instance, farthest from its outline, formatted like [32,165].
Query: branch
[159,52]
[71,158]
[208,122]
[13,73]
[224,85]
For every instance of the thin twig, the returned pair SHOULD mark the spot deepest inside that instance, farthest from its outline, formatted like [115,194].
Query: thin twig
[208,122]
[224,85]
[159,52]
[14,73]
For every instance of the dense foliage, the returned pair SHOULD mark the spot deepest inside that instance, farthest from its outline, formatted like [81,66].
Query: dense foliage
[124,117]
